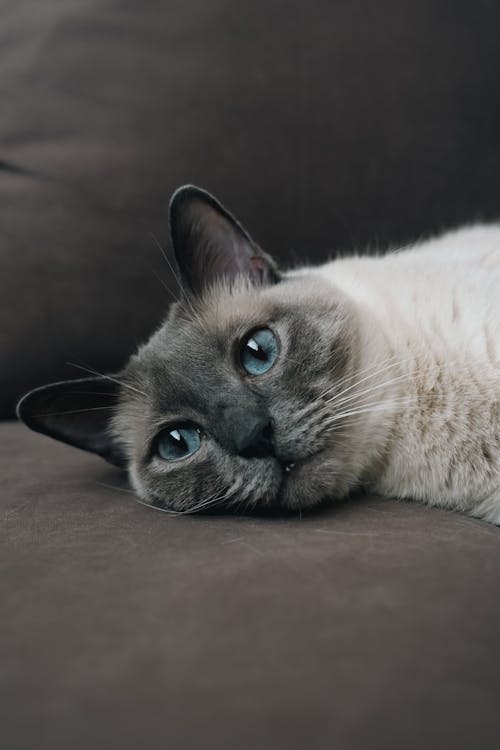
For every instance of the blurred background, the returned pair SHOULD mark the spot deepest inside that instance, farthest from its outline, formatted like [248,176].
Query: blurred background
[324,126]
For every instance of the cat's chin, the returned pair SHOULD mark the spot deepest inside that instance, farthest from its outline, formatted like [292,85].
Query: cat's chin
[292,485]
[304,484]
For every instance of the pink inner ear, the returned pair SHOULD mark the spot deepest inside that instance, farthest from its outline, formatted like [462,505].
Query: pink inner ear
[259,268]
[209,243]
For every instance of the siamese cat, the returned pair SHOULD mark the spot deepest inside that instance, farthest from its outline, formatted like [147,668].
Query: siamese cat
[268,388]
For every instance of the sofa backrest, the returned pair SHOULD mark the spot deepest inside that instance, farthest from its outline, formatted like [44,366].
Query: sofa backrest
[322,126]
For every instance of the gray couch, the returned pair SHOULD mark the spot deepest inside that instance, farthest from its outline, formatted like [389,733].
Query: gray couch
[323,126]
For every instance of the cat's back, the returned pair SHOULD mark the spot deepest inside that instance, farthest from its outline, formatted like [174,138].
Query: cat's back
[451,257]
[434,311]
[446,288]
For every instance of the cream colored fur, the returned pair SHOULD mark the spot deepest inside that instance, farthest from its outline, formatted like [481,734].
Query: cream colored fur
[430,348]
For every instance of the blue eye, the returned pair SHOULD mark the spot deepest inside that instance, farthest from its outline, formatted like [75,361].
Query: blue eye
[178,442]
[259,351]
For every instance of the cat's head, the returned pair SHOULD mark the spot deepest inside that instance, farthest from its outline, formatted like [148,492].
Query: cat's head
[229,402]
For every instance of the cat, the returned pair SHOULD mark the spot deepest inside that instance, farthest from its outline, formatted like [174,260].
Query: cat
[267,389]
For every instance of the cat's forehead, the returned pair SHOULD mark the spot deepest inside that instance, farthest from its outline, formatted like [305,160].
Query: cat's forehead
[220,315]
[223,309]
[196,334]
[191,348]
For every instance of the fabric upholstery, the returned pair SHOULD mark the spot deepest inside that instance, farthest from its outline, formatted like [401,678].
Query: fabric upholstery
[369,625]
[323,126]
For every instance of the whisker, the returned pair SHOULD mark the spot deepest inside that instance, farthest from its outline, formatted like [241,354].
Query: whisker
[174,274]
[91,393]
[210,501]
[375,406]
[151,506]
[382,367]
[165,256]
[72,411]
[357,394]
[377,372]
[112,487]
[337,401]
[203,505]
[207,502]
[108,377]
[163,283]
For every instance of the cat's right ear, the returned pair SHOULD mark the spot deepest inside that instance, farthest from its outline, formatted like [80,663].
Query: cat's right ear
[210,244]
[77,412]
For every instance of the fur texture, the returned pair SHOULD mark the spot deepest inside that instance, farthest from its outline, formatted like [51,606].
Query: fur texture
[387,378]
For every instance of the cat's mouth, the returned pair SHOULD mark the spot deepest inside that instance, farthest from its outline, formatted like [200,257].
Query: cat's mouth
[293,467]
[293,490]
[289,470]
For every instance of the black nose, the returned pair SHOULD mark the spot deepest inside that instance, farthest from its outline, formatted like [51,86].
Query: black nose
[256,439]
[251,435]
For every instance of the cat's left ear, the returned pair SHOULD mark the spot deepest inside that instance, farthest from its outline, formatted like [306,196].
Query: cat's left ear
[210,244]
[77,412]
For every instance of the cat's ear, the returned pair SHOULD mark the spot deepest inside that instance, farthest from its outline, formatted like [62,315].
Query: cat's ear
[209,243]
[77,412]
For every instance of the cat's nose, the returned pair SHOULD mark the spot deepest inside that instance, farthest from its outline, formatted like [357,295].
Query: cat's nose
[251,435]
[256,440]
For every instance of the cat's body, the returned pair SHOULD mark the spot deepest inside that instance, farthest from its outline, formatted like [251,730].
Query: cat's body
[430,321]
[284,389]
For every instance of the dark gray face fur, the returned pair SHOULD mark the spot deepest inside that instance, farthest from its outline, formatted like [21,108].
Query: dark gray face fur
[190,371]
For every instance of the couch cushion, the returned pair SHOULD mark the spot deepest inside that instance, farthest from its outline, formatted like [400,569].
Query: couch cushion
[322,126]
[374,624]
